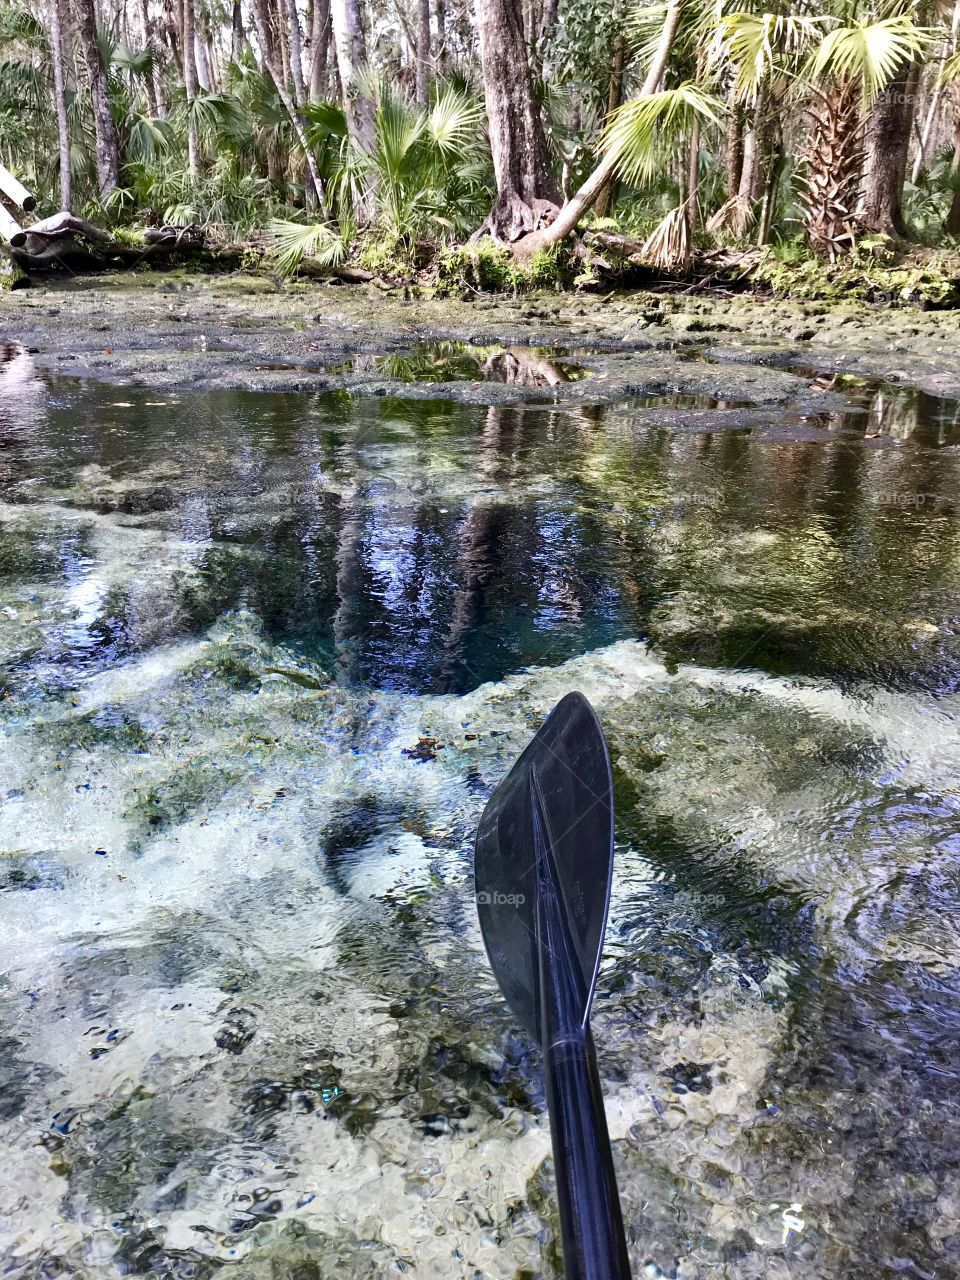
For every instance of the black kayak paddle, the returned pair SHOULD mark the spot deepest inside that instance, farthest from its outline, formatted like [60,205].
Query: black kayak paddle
[544,865]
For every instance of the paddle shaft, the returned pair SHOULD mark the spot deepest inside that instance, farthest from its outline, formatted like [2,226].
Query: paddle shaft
[594,1247]
[591,1224]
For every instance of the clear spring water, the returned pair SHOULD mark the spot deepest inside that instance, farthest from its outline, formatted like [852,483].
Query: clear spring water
[246,1023]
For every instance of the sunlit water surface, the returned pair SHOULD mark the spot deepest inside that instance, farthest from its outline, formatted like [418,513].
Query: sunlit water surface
[262,659]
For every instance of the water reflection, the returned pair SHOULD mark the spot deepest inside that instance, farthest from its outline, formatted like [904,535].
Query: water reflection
[432,546]
[249,1025]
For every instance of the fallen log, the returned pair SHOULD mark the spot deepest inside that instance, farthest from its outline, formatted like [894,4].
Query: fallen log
[59,226]
[15,191]
[9,226]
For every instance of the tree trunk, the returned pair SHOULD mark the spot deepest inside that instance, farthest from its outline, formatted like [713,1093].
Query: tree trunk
[108,147]
[260,23]
[733,145]
[526,192]
[693,180]
[150,82]
[319,48]
[952,222]
[188,44]
[423,51]
[749,188]
[885,155]
[442,58]
[238,37]
[608,196]
[59,84]
[933,111]
[296,53]
[580,204]
[352,63]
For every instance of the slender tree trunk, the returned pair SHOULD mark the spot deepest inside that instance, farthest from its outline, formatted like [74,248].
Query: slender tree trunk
[188,42]
[352,63]
[933,110]
[693,179]
[319,48]
[60,91]
[238,37]
[442,58]
[526,191]
[296,53]
[580,204]
[952,222]
[260,23]
[608,196]
[277,13]
[885,155]
[733,145]
[108,147]
[150,83]
[201,59]
[423,51]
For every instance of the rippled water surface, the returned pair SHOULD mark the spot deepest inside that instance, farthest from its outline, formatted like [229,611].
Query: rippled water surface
[262,659]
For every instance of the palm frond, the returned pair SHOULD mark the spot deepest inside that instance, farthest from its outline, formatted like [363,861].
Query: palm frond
[869,53]
[149,138]
[291,242]
[455,123]
[755,43]
[641,128]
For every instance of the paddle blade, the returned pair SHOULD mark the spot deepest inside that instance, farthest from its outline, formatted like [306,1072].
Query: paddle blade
[566,768]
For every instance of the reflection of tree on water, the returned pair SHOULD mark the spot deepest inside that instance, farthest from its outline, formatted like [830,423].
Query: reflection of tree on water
[22,393]
[524,367]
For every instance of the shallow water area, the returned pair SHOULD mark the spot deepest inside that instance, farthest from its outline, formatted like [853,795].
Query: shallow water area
[263,658]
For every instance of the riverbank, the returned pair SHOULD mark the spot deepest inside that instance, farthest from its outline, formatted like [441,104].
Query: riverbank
[247,332]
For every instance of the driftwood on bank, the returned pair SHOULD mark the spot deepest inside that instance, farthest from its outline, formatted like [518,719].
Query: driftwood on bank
[9,226]
[15,191]
[68,243]
[58,227]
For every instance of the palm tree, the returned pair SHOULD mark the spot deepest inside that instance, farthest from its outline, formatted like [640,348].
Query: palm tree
[846,75]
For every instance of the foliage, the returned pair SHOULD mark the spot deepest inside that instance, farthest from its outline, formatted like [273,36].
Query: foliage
[870,274]
[637,131]
[479,268]
[291,242]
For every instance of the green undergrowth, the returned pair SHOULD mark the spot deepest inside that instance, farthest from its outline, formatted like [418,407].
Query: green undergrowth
[875,272]
[488,268]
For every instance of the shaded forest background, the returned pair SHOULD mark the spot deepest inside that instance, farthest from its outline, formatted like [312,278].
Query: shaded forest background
[384,130]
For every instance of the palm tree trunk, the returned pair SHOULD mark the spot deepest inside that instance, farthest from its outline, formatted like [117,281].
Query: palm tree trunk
[733,145]
[423,51]
[107,144]
[526,190]
[59,85]
[885,156]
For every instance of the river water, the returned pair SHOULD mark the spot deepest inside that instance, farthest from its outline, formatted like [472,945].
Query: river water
[262,660]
